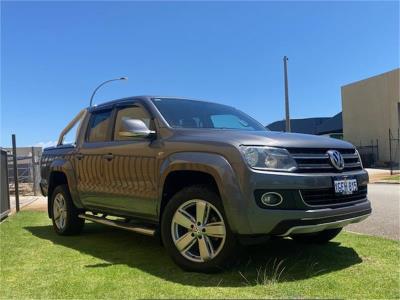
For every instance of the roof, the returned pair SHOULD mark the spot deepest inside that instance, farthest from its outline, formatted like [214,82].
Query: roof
[388,73]
[142,97]
[319,125]
[332,125]
[112,102]
[308,125]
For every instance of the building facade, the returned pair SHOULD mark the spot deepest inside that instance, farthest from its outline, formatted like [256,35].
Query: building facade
[370,108]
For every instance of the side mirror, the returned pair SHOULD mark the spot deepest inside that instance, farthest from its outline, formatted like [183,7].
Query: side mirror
[134,128]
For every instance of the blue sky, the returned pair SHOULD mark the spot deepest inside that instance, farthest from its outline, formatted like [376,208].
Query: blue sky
[53,54]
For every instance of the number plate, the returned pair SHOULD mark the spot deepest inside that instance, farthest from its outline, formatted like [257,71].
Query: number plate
[345,185]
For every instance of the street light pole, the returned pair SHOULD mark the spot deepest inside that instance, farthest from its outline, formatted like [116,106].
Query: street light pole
[103,83]
[288,129]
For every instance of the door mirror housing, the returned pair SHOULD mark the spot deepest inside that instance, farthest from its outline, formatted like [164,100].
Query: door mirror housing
[134,128]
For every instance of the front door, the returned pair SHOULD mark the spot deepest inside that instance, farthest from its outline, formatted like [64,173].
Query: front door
[130,170]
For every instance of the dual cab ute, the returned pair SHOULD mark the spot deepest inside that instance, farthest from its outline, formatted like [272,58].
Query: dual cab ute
[203,176]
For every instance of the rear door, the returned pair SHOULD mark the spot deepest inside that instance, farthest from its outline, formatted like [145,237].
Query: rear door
[90,159]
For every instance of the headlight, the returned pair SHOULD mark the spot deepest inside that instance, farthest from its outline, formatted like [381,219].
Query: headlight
[268,158]
[359,158]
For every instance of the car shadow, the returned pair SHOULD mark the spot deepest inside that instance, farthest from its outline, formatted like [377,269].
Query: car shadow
[277,260]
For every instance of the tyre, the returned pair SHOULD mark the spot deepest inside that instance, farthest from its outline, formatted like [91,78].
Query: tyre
[321,237]
[64,213]
[195,232]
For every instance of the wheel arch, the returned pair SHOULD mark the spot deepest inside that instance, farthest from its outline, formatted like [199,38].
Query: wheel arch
[61,172]
[178,179]
[189,168]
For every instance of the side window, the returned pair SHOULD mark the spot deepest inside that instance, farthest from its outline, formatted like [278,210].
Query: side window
[132,112]
[98,126]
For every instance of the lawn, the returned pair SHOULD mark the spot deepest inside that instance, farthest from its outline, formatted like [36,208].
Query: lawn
[110,263]
[394,178]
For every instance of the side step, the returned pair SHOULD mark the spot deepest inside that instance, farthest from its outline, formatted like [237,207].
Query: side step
[118,224]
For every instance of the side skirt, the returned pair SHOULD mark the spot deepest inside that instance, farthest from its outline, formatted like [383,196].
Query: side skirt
[142,229]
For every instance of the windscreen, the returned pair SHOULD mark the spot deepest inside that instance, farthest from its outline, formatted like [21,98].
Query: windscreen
[181,113]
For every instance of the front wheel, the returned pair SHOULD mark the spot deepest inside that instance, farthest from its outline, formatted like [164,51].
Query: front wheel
[321,237]
[195,232]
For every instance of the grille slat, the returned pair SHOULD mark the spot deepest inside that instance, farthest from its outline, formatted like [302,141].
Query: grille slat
[323,197]
[350,156]
[310,160]
[309,156]
[314,166]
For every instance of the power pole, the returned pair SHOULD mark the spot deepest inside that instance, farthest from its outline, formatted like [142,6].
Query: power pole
[285,59]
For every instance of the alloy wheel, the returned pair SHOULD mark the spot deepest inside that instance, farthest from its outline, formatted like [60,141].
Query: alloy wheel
[60,211]
[198,230]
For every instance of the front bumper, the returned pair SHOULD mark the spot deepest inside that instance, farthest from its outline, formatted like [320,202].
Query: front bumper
[309,225]
[285,222]
[300,218]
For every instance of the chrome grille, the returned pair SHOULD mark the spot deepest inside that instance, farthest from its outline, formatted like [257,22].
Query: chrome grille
[311,160]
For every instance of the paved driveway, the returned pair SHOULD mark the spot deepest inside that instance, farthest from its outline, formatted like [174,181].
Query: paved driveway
[385,218]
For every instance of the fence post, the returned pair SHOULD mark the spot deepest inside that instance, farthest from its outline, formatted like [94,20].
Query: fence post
[377,150]
[390,152]
[397,148]
[16,188]
[34,172]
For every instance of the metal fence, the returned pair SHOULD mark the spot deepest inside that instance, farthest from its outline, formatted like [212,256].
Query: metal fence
[20,174]
[28,171]
[22,169]
[369,153]
[394,151]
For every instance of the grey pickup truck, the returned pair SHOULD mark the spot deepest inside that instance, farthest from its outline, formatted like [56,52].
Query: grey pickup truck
[202,176]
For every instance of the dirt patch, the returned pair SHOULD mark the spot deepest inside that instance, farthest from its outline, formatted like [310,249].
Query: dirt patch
[377,175]
[38,205]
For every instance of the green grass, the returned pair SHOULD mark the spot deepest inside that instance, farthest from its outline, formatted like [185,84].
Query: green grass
[109,263]
[395,178]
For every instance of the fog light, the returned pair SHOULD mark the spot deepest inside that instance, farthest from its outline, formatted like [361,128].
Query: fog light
[271,199]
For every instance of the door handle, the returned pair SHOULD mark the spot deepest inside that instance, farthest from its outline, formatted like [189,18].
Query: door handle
[108,156]
[79,156]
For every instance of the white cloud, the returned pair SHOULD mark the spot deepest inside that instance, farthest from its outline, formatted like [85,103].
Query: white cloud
[46,144]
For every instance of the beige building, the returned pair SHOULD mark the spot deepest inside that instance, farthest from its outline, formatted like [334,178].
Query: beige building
[370,107]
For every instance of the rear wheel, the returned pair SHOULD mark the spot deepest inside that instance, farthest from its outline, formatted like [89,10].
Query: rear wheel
[195,232]
[64,213]
[321,237]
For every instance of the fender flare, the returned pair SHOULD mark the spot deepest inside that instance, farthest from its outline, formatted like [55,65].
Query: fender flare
[224,175]
[65,166]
